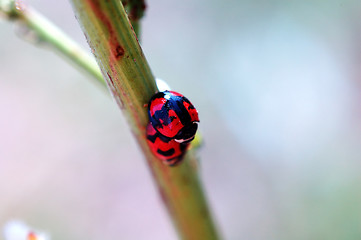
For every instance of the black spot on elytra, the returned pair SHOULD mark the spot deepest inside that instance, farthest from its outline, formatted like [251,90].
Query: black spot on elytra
[156,135]
[169,152]
[152,138]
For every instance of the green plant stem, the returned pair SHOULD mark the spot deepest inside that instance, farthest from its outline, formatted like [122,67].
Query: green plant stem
[132,84]
[48,33]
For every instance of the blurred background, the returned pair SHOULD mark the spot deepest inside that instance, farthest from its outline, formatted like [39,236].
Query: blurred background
[277,87]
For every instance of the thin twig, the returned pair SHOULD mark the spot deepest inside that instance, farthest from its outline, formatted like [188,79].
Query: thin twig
[47,33]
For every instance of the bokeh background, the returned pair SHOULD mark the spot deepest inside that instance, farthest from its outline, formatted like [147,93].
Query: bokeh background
[277,86]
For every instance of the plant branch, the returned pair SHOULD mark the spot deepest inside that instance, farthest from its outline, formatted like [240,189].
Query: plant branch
[48,33]
[127,73]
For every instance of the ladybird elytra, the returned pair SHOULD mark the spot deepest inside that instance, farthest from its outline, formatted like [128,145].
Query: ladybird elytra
[173,116]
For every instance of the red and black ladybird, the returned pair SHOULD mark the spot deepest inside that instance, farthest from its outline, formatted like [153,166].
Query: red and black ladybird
[168,150]
[173,116]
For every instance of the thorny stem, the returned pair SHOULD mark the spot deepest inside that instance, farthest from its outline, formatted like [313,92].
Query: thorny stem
[132,84]
[47,33]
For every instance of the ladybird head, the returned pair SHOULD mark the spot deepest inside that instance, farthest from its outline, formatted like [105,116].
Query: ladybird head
[173,116]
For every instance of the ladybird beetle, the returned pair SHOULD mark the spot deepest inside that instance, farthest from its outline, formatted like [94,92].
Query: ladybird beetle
[168,150]
[173,116]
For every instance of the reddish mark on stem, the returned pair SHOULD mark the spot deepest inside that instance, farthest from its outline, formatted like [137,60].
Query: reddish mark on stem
[110,78]
[119,52]
[116,50]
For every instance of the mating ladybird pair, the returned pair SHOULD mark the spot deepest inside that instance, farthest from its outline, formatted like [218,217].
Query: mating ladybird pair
[173,123]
